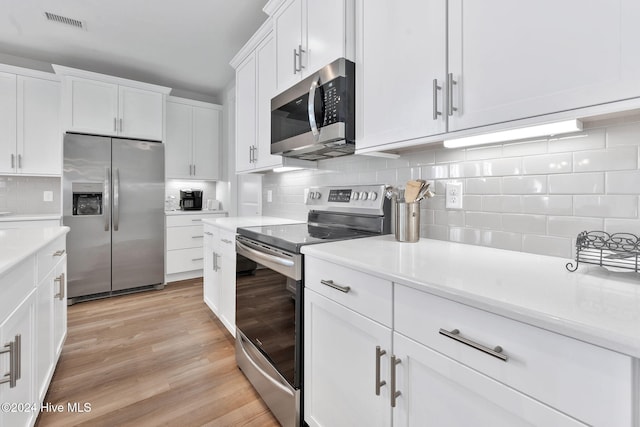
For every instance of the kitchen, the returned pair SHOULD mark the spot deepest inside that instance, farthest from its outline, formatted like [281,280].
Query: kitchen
[493,268]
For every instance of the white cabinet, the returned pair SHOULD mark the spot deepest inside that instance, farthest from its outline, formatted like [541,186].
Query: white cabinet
[220,274]
[106,105]
[30,138]
[184,242]
[310,35]
[460,65]
[192,144]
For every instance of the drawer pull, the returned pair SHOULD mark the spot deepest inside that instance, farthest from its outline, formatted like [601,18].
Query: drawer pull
[59,253]
[394,393]
[333,285]
[379,384]
[226,241]
[60,281]
[197,237]
[197,259]
[208,233]
[14,348]
[455,335]
[197,220]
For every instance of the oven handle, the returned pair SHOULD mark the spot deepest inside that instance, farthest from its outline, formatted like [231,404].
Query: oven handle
[245,250]
[259,369]
[311,108]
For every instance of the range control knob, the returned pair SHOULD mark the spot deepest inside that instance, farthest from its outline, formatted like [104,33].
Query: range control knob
[317,195]
[355,195]
[373,195]
[364,195]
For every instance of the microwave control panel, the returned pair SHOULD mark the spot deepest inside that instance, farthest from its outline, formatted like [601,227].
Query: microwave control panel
[331,101]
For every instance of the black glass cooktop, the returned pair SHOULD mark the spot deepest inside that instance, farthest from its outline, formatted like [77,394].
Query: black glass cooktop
[291,237]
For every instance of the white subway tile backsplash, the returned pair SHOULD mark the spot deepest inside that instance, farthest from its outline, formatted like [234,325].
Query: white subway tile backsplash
[587,140]
[528,148]
[523,223]
[508,204]
[427,157]
[483,220]
[446,155]
[570,226]
[472,203]
[438,232]
[483,186]
[452,218]
[606,206]
[465,235]
[548,245]
[427,216]
[524,184]
[406,174]
[466,169]
[623,135]
[612,225]
[548,205]
[619,158]
[435,172]
[503,167]
[501,240]
[547,164]
[578,183]
[482,153]
[627,182]
[388,176]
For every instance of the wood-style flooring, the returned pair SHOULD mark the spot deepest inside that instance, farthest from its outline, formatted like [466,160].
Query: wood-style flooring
[151,359]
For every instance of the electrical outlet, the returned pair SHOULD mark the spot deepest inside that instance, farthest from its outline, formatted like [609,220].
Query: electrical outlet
[47,196]
[269,196]
[453,195]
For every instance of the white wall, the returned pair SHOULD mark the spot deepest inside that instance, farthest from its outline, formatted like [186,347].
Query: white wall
[533,196]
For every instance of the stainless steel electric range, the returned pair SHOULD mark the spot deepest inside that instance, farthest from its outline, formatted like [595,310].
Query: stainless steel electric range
[269,300]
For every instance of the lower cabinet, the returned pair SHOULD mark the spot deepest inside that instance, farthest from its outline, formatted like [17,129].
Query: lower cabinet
[220,274]
[442,363]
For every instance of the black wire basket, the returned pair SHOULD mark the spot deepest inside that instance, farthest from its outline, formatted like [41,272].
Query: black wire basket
[617,250]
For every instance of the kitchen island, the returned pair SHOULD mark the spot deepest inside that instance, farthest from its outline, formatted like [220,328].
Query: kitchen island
[33,317]
[504,336]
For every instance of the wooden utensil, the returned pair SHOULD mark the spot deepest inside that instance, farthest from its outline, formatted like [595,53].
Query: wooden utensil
[411,191]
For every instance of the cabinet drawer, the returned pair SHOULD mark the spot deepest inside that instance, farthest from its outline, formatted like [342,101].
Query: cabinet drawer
[15,285]
[185,219]
[182,260]
[367,295]
[50,255]
[184,237]
[580,379]
[226,241]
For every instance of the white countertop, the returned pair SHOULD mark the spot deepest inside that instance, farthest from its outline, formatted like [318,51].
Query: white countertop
[200,212]
[591,304]
[29,217]
[233,222]
[18,244]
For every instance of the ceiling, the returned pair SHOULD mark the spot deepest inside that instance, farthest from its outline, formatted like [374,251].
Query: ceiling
[182,44]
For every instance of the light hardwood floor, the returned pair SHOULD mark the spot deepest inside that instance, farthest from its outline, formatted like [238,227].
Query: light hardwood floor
[151,359]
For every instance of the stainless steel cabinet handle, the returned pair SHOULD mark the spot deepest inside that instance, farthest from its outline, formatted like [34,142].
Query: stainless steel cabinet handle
[197,259]
[14,348]
[394,393]
[208,233]
[19,161]
[301,50]
[226,241]
[197,237]
[121,125]
[379,384]
[215,261]
[295,62]
[436,88]
[255,154]
[59,252]
[450,83]
[115,124]
[196,220]
[194,170]
[455,335]
[106,201]
[13,161]
[116,200]
[333,285]
[60,281]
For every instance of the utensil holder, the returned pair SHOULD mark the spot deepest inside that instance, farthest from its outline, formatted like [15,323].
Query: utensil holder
[407,221]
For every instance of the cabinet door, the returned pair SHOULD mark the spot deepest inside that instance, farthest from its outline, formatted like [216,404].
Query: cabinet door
[439,391]
[266,89]
[8,116]
[288,25]
[211,288]
[178,141]
[401,52]
[245,114]
[21,322]
[206,143]
[60,307]
[44,334]
[340,366]
[226,264]
[140,113]
[327,25]
[514,60]
[94,106]
[39,136]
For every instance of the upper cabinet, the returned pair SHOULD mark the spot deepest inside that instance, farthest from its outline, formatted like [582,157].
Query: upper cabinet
[310,35]
[429,67]
[192,146]
[105,105]
[30,138]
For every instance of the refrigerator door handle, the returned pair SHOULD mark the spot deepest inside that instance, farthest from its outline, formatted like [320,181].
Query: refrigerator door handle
[116,199]
[106,204]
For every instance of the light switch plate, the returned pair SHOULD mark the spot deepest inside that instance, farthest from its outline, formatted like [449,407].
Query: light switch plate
[269,196]
[453,195]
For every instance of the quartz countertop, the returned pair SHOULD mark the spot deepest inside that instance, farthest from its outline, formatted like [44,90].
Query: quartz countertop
[200,212]
[18,244]
[233,222]
[29,217]
[592,304]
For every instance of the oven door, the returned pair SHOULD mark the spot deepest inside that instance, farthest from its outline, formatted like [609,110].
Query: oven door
[269,306]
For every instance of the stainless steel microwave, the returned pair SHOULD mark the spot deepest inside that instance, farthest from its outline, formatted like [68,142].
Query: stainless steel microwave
[315,119]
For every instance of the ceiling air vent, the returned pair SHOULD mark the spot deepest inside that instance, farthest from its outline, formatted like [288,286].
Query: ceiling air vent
[64,20]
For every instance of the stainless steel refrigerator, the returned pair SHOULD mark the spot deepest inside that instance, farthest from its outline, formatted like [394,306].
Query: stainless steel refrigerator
[113,201]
